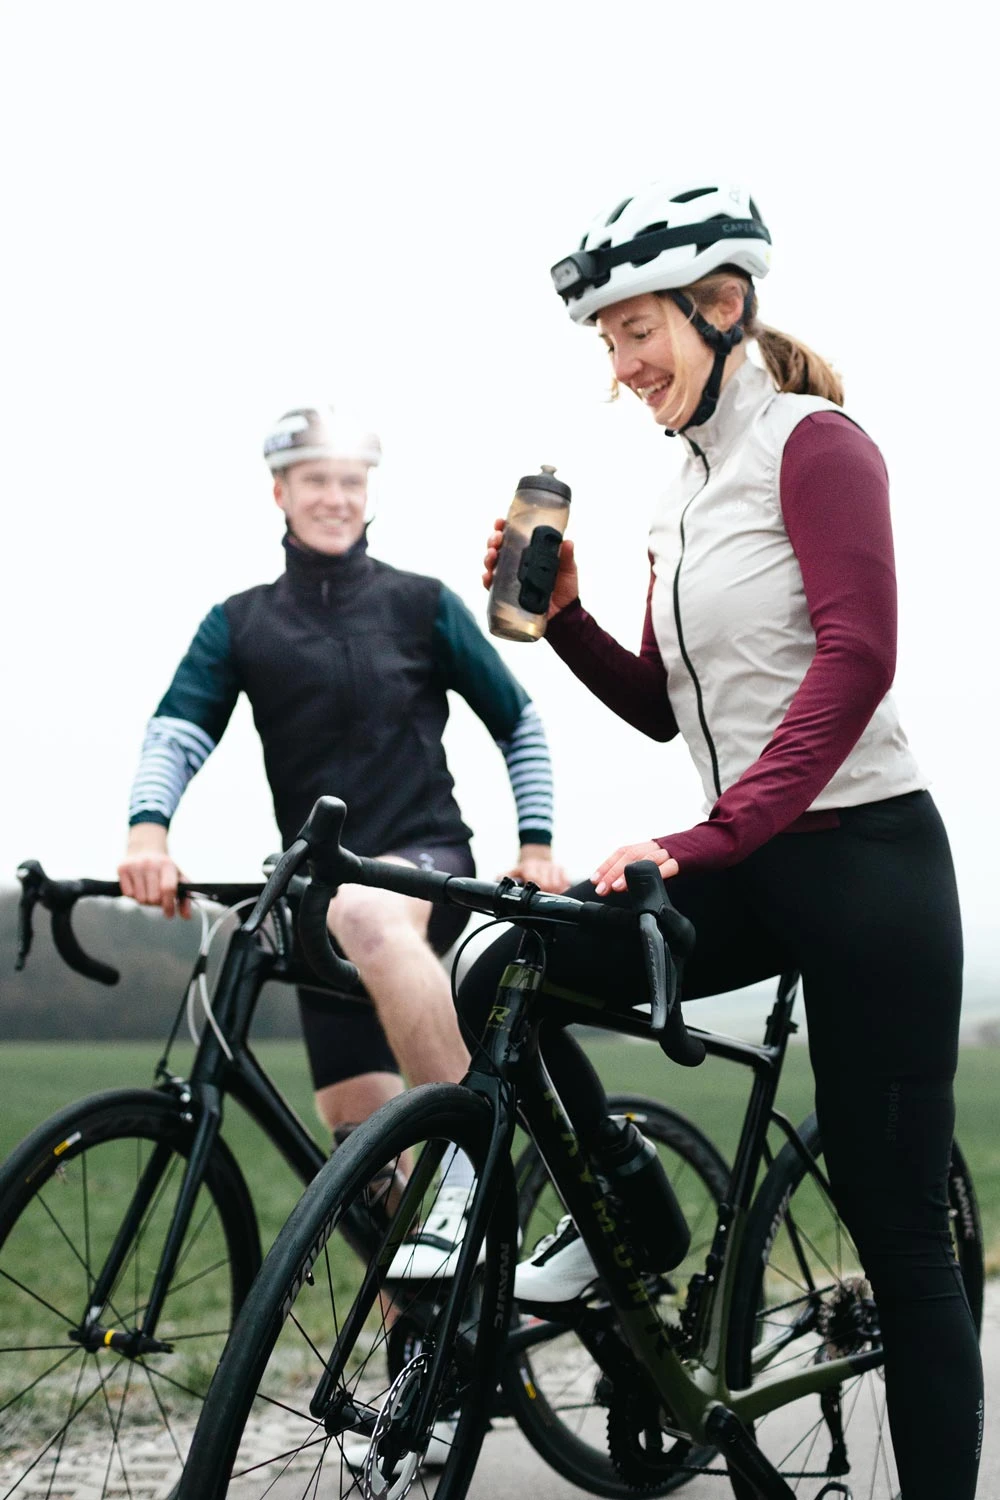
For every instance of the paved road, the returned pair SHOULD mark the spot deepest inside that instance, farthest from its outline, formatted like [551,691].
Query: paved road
[509,1468]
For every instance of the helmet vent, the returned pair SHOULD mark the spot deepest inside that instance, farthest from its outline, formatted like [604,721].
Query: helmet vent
[642,260]
[755,212]
[617,213]
[693,193]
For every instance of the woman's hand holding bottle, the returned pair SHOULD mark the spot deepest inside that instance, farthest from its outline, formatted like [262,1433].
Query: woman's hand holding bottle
[567,584]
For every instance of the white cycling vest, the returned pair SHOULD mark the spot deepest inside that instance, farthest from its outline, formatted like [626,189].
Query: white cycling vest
[729,607]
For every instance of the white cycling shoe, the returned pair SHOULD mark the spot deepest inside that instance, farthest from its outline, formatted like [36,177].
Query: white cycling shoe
[559,1268]
[430,1253]
[355,1445]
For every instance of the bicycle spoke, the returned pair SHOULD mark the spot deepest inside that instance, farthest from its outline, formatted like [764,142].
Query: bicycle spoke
[75,1349]
[178,1286]
[58,1434]
[152,1371]
[162,1409]
[115,1447]
[287,1456]
[55,1465]
[36,1297]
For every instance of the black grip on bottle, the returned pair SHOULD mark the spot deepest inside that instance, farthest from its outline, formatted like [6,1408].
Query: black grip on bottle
[71,953]
[537,569]
[314,938]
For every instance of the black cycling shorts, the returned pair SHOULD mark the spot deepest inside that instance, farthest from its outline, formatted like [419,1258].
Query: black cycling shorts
[343,1037]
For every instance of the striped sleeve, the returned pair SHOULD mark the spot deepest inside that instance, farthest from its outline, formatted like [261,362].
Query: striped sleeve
[469,664]
[530,770]
[188,723]
[172,752]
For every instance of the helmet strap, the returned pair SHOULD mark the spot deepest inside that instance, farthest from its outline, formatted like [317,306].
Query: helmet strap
[722,343]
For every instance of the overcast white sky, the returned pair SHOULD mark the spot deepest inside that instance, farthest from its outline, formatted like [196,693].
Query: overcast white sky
[213,210]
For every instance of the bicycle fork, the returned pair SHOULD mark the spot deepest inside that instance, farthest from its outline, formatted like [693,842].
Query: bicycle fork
[94,1335]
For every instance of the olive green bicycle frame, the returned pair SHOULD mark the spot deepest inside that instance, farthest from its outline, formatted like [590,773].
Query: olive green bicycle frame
[691,1388]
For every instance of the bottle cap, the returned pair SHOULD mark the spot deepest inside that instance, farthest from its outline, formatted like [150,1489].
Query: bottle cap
[546,480]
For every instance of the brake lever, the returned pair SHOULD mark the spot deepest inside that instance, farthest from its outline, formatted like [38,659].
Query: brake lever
[329,866]
[32,876]
[659,922]
[645,886]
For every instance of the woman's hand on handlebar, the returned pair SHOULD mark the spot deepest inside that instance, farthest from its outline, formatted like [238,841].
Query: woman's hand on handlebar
[610,873]
[535,864]
[567,584]
[148,873]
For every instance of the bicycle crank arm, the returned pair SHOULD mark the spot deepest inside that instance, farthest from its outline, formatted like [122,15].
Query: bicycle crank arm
[724,1429]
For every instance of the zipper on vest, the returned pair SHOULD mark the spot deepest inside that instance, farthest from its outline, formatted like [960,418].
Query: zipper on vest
[324,590]
[680,631]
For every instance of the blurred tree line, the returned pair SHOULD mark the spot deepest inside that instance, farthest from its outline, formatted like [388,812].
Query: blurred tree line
[155,958]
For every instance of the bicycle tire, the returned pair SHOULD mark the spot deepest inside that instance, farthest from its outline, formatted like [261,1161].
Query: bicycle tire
[69,1414]
[311,1316]
[793,1225]
[553,1392]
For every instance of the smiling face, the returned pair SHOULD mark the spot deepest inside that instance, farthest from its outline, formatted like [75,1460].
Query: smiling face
[660,357]
[324,501]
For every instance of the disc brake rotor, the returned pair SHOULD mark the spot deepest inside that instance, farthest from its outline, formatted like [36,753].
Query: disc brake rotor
[384,1477]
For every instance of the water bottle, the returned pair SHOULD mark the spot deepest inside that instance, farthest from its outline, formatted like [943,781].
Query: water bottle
[529,558]
[635,1176]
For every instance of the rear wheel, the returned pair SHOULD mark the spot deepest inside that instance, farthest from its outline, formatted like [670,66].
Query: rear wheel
[800,1297]
[341,1373]
[76,1410]
[557,1392]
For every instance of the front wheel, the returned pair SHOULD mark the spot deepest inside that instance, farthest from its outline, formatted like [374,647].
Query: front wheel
[339,1376]
[90,1395]
[801,1297]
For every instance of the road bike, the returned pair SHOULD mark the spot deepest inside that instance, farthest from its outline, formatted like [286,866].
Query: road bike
[128,1235]
[764,1366]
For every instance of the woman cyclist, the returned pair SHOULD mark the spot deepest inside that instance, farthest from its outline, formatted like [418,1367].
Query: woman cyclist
[769,646]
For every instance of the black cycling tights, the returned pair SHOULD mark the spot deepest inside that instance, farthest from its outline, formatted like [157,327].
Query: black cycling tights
[868,912]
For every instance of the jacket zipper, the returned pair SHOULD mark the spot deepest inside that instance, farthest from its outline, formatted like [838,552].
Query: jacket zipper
[680,631]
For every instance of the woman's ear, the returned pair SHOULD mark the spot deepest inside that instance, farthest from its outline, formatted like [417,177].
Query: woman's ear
[279,494]
[728,307]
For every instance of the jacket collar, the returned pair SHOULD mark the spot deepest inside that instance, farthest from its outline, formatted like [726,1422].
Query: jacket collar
[743,396]
[315,575]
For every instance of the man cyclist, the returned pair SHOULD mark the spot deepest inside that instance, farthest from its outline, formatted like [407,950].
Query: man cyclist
[347,663]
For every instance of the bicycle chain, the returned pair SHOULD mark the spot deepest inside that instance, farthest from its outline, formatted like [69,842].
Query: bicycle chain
[634,1418]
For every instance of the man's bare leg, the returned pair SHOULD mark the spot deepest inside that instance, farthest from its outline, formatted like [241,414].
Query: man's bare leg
[385,935]
[353,1099]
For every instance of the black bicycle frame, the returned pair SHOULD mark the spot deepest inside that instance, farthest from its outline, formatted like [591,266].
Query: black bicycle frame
[214,1073]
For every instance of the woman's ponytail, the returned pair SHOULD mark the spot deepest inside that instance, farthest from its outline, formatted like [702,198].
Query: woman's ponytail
[794,366]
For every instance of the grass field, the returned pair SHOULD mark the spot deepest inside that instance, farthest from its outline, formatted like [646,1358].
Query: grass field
[38,1078]
[42,1275]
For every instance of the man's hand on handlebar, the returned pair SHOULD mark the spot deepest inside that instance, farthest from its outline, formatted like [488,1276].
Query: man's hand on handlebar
[536,865]
[148,873]
[610,874]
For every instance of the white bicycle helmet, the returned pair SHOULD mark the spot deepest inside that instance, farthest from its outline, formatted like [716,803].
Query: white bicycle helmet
[661,240]
[665,237]
[308,432]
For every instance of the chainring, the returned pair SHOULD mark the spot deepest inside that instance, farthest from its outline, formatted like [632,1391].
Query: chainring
[644,1456]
